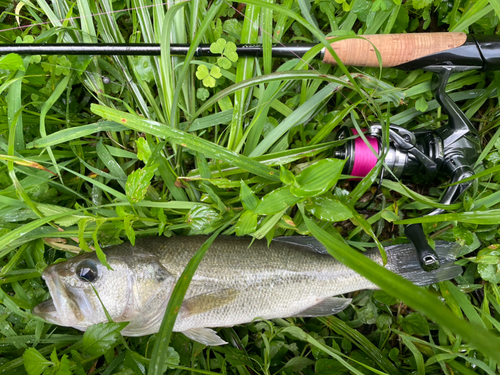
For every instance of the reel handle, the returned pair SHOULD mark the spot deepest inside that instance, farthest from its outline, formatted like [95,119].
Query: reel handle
[426,255]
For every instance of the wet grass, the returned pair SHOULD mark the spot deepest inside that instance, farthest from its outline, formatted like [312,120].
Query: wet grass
[101,150]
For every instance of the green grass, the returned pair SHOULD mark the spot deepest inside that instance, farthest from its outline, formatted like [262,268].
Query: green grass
[156,152]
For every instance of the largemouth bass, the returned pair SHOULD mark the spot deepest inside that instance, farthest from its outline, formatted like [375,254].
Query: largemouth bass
[235,283]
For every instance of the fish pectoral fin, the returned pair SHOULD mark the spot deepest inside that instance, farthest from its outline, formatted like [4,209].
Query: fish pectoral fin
[205,336]
[207,302]
[328,306]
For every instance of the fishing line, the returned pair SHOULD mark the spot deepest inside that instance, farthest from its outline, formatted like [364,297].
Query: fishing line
[365,159]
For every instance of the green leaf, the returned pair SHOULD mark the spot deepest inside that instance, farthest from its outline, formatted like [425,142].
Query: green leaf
[138,182]
[325,366]
[143,68]
[384,298]
[298,364]
[489,272]
[276,201]
[202,72]
[361,342]
[100,254]
[246,224]
[208,81]
[421,104]
[247,197]
[34,362]
[81,131]
[50,209]
[129,229]
[11,61]
[200,217]
[202,94]
[318,178]
[328,209]
[462,235]
[490,255]
[215,72]
[230,52]
[143,150]
[64,367]
[389,216]
[101,337]
[218,46]
[420,4]
[224,63]
[415,324]
[295,332]
[286,176]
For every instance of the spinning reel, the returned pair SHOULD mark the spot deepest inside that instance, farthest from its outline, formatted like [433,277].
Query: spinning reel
[452,149]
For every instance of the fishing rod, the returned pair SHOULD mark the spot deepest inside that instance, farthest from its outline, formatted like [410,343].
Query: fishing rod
[452,149]
[402,51]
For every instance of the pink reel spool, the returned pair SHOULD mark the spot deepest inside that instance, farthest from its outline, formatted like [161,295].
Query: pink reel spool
[364,158]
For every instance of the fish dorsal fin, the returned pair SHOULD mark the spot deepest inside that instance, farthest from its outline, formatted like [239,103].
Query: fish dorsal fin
[205,336]
[328,306]
[207,302]
[309,243]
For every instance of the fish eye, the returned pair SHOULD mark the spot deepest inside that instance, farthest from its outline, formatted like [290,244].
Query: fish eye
[87,271]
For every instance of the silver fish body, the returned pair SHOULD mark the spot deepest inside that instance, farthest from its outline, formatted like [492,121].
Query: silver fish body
[236,282]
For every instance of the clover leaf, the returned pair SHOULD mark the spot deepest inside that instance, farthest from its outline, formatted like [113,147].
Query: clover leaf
[218,46]
[227,51]
[223,62]
[202,94]
[208,78]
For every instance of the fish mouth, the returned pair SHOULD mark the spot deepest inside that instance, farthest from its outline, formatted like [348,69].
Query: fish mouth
[47,311]
[60,309]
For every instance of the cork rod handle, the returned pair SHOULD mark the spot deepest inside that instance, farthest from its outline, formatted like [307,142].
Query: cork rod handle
[395,49]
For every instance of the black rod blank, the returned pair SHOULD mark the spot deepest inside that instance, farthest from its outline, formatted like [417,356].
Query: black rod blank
[244,50]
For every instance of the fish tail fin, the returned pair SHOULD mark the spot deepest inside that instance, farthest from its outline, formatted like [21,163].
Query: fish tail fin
[402,259]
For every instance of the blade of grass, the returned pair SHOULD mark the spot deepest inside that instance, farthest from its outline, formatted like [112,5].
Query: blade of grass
[70,134]
[464,304]
[476,217]
[419,358]
[167,74]
[244,71]
[186,140]
[278,76]
[299,116]
[472,15]
[362,342]
[14,104]
[6,239]
[60,88]
[470,359]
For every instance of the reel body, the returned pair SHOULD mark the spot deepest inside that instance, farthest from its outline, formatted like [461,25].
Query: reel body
[403,159]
